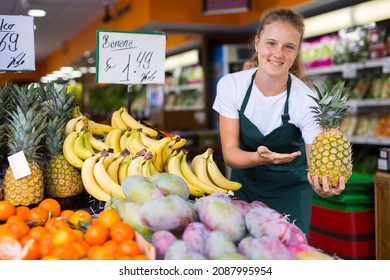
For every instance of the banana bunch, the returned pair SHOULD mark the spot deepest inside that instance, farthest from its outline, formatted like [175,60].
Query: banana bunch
[204,166]
[77,148]
[79,121]
[122,119]
[100,174]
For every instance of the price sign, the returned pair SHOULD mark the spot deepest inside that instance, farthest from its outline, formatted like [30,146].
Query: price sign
[130,57]
[17,43]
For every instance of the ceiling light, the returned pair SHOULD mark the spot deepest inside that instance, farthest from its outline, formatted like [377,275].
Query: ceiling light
[367,12]
[36,13]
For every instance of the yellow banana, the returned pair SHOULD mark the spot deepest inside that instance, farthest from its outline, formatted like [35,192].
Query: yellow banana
[179,142]
[81,124]
[104,180]
[218,178]
[96,143]
[87,143]
[147,140]
[134,124]
[172,154]
[90,184]
[157,152]
[124,165]
[174,167]
[116,119]
[199,167]
[145,171]
[71,124]
[113,138]
[79,147]
[133,142]
[99,128]
[113,166]
[135,167]
[194,180]
[123,138]
[68,152]
[76,111]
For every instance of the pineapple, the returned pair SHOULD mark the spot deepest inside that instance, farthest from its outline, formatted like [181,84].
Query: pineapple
[25,131]
[61,178]
[331,153]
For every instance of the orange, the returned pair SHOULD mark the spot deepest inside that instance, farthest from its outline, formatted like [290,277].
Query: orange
[140,257]
[37,215]
[38,232]
[99,253]
[7,209]
[65,252]
[122,231]
[66,214]
[20,229]
[111,245]
[96,235]
[128,248]
[22,211]
[63,235]
[33,248]
[15,218]
[109,217]
[10,248]
[80,249]
[52,206]
[50,257]
[80,218]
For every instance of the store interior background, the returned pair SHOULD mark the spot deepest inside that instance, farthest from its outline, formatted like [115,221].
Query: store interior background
[200,49]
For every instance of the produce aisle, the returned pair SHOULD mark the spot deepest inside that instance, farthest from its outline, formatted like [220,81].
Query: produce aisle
[123,190]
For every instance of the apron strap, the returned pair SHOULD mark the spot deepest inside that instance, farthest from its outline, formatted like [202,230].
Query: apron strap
[286,116]
[248,93]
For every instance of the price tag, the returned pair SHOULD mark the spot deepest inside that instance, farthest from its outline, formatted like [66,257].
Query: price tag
[130,57]
[19,165]
[386,65]
[349,71]
[17,43]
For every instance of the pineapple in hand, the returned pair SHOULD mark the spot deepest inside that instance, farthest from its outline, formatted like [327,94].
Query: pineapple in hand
[331,152]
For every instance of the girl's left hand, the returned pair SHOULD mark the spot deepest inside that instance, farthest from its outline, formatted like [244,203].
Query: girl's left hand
[325,190]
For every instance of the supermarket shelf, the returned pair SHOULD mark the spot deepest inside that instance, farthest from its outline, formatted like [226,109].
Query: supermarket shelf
[369,102]
[349,69]
[371,140]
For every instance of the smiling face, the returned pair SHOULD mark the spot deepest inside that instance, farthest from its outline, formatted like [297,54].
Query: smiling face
[277,46]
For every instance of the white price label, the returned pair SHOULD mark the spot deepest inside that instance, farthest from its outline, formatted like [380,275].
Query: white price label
[386,65]
[17,51]
[349,71]
[19,165]
[130,57]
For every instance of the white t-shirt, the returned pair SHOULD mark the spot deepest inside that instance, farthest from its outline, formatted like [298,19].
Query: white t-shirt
[265,111]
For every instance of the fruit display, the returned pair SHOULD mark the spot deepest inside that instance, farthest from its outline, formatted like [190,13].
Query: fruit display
[48,232]
[183,229]
[331,153]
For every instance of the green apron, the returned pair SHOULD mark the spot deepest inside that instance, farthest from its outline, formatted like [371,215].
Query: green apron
[283,187]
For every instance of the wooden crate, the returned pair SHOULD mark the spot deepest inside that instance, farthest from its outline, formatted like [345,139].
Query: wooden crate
[382,215]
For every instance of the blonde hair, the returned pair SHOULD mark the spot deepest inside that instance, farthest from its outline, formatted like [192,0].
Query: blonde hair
[286,15]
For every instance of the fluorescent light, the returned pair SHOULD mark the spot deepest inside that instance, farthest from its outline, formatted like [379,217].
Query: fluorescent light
[36,13]
[370,11]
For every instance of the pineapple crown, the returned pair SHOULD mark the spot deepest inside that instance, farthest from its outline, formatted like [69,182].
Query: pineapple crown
[26,130]
[331,102]
[58,103]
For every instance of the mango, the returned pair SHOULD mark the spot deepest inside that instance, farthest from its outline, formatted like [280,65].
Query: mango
[196,235]
[170,212]
[161,240]
[218,244]
[266,247]
[115,202]
[178,250]
[218,213]
[171,183]
[140,189]
[129,212]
